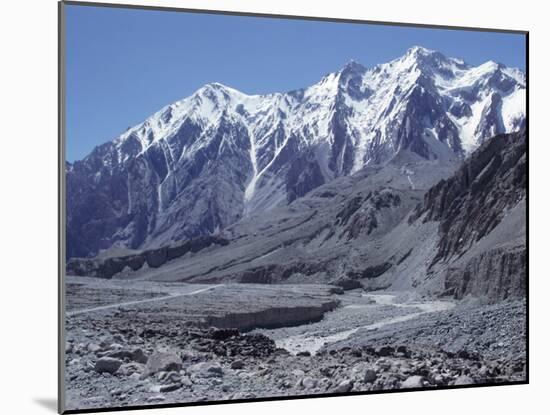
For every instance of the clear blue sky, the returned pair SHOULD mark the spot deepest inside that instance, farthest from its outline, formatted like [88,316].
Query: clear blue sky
[125,64]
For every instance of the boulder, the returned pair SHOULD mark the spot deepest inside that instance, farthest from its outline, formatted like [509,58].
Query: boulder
[385,351]
[169,377]
[242,395]
[120,354]
[119,338]
[464,380]
[237,364]
[107,365]
[94,348]
[298,372]
[403,350]
[137,355]
[309,382]
[206,370]
[128,369]
[170,388]
[413,382]
[370,376]
[344,386]
[162,362]
[156,398]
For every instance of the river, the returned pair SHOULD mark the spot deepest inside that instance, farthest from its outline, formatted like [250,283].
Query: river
[359,312]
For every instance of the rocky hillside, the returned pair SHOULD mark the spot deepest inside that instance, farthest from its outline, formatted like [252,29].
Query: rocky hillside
[473,202]
[205,162]
[153,258]
[348,232]
[482,221]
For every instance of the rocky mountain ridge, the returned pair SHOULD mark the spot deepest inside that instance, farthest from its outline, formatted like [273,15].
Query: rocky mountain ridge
[207,161]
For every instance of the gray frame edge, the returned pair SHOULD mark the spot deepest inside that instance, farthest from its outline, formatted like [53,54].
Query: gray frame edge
[62,195]
[61,208]
[291,17]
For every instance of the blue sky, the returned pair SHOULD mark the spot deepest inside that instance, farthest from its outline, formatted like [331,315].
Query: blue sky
[125,64]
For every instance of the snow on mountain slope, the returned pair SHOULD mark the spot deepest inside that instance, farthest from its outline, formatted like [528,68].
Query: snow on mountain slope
[199,164]
[373,100]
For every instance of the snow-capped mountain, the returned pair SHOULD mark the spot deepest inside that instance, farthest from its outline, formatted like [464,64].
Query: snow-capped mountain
[203,162]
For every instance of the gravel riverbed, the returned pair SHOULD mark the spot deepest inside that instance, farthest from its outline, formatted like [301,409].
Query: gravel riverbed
[154,352]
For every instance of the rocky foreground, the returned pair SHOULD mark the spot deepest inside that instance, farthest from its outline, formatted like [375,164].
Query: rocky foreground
[138,354]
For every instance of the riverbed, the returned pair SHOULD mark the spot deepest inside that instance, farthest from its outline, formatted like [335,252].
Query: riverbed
[360,312]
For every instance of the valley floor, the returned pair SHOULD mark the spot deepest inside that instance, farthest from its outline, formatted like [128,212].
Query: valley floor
[148,342]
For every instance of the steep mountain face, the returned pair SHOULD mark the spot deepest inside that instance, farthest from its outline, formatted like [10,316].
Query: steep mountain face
[473,202]
[206,161]
[482,222]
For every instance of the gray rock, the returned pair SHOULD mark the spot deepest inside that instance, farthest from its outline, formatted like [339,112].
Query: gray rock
[93,348]
[344,386]
[385,351]
[357,371]
[162,361]
[128,369]
[483,372]
[438,379]
[137,355]
[119,338]
[120,354]
[383,364]
[309,382]
[243,395]
[169,377]
[156,398]
[413,382]
[370,376]
[464,380]
[74,362]
[206,369]
[107,365]
[237,364]
[403,350]
[170,388]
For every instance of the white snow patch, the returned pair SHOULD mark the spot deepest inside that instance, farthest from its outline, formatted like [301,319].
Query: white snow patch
[513,108]
[251,187]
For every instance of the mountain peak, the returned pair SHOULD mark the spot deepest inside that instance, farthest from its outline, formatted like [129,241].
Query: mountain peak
[213,87]
[216,85]
[429,60]
[353,65]
[420,51]
[492,66]
[420,54]
[216,93]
